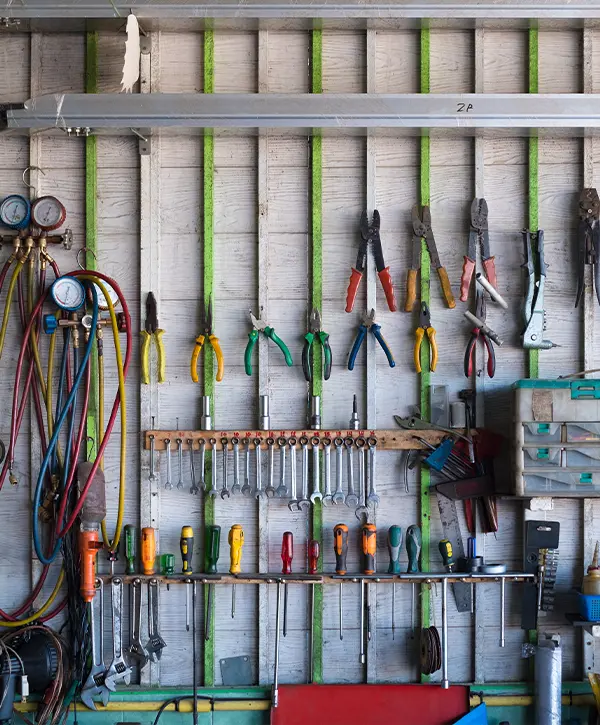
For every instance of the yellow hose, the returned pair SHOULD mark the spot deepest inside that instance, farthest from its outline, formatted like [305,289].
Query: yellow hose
[100,397]
[40,613]
[9,295]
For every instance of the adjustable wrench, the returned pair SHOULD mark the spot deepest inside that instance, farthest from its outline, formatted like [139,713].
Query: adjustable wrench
[270,489]
[235,444]
[373,498]
[351,497]
[316,494]
[119,669]
[328,496]
[94,685]
[213,468]
[136,649]
[169,481]
[225,490]
[246,488]
[180,461]
[282,488]
[259,493]
[293,502]
[304,501]
[338,496]
[194,487]
[156,643]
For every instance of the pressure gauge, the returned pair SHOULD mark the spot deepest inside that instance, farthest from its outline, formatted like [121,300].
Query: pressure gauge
[15,211]
[48,213]
[114,297]
[68,293]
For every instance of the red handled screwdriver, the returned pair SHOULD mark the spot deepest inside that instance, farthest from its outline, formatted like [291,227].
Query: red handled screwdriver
[287,554]
[313,562]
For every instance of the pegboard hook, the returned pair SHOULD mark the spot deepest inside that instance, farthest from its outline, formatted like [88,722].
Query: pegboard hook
[27,184]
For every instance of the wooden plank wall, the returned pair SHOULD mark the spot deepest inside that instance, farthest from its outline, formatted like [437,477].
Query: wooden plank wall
[236,276]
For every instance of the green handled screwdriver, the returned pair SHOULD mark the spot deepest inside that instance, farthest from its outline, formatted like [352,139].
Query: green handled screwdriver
[414,540]
[130,548]
[212,545]
[394,539]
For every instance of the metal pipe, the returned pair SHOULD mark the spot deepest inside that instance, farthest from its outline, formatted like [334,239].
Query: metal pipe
[264,417]
[491,290]
[275,693]
[445,683]
[502,610]
[205,419]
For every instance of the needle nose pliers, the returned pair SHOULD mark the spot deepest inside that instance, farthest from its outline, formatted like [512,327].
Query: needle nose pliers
[421,221]
[480,334]
[152,330]
[367,324]
[314,331]
[206,332]
[478,234]
[261,326]
[588,240]
[369,232]
[423,328]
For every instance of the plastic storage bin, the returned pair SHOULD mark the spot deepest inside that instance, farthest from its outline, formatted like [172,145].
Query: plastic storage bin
[589,606]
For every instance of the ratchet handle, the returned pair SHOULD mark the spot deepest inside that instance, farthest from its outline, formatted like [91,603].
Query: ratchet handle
[411,290]
[388,288]
[355,277]
[446,288]
[467,276]
[489,267]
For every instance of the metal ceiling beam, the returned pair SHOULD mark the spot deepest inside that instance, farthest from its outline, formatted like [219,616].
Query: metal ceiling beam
[304,113]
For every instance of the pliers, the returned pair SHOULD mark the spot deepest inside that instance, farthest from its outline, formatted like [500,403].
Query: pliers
[152,330]
[588,240]
[367,324]
[477,234]
[425,327]
[421,221]
[314,331]
[261,326]
[206,332]
[477,334]
[370,233]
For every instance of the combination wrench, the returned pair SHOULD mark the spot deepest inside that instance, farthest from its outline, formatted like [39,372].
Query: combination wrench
[362,509]
[213,468]
[373,498]
[328,496]
[202,444]
[304,501]
[246,488]
[338,496]
[316,494]
[282,488]
[169,481]
[351,497]
[235,444]
[293,502]
[225,490]
[194,487]
[270,489]
[179,443]
[119,669]
[259,493]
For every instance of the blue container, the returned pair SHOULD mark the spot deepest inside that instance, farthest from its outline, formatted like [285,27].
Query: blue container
[589,606]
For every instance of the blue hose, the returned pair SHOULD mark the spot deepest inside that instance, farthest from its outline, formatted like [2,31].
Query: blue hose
[73,410]
[61,386]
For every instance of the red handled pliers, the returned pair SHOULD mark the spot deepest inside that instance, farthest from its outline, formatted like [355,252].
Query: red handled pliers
[479,334]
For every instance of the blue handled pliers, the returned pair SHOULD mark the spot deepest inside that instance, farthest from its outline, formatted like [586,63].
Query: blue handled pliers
[367,324]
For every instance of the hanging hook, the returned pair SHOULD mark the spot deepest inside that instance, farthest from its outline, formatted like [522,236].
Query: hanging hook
[27,184]
[87,251]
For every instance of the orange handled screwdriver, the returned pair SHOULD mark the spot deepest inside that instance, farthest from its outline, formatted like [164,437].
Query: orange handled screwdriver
[287,554]
[369,547]
[340,547]
[148,549]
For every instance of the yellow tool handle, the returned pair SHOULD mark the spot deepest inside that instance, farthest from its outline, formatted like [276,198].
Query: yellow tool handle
[214,341]
[195,354]
[145,357]
[236,541]
[419,334]
[433,348]
[411,290]
[446,289]
[161,360]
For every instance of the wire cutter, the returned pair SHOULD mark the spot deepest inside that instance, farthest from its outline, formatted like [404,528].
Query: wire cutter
[261,326]
[206,332]
[367,324]
[152,330]
[588,240]
[425,327]
[314,331]
[370,233]
[421,221]
[479,333]
[478,235]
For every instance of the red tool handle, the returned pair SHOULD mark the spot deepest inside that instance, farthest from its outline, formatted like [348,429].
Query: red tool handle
[489,267]
[465,280]
[313,556]
[388,288]
[287,552]
[355,277]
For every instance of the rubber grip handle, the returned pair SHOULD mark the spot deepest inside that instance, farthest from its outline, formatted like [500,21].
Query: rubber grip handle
[465,280]
[489,267]
[148,554]
[214,341]
[252,338]
[419,334]
[388,288]
[414,540]
[270,332]
[411,290]
[236,541]
[145,357]
[446,288]
[362,331]
[161,359]
[355,277]
[340,546]
[327,354]
[306,369]
[491,363]
[433,349]
[468,364]
[195,355]
[186,546]
[88,550]
[376,330]
[369,547]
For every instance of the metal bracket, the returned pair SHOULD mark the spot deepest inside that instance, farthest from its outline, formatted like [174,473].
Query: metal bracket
[145,140]
[145,43]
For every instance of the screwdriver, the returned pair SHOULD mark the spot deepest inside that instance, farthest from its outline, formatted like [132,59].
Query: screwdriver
[148,549]
[314,551]
[212,545]
[236,541]
[394,545]
[447,554]
[369,549]
[340,546]
[186,546]
[130,548]
[413,551]
[287,554]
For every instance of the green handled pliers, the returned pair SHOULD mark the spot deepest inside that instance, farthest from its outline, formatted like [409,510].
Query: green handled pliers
[314,331]
[261,326]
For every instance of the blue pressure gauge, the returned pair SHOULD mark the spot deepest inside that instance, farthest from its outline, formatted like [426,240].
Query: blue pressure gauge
[68,293]
[15,211]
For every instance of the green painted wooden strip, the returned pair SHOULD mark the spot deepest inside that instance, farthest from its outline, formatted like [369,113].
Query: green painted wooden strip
[533,361]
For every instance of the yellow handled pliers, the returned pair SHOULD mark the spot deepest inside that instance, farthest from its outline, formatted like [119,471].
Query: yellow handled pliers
[152,330]
[206,327]
[425,327]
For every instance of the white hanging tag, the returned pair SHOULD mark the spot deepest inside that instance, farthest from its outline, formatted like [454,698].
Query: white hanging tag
[131,64]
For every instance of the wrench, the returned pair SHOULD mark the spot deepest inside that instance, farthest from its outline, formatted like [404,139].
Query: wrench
[156,643]
[180,461]
[202,443]
[259,493]
[328,497]
[351,497]
[194,487]
[213,468]
[136,649]
[246,488]
[373,498]
[119,669]
[151,475]
[94,685]
[316,494]
[225,490]
[293,502]
[282,488]
[270,489]
[338,496]
[235,444]
[304,501]
[362,508]
[168,482]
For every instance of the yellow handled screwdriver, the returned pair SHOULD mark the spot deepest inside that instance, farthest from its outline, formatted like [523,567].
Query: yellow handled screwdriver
[186,546]
[236,541]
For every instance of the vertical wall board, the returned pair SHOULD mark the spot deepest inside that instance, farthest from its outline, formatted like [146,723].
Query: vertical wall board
[14,85]
[62,63]
[111,51]
[561,60]
[504,54]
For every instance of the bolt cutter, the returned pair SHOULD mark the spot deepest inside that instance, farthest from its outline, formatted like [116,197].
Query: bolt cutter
[314,331]
[369,323]
[206,332]
[478,234]
[151,331]
[588,240]
[425,327]
[261,326]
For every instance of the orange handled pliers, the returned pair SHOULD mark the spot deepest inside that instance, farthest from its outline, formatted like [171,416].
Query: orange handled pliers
[425,327]
[206,327]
